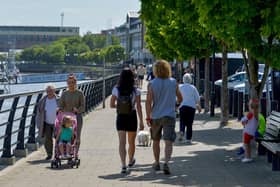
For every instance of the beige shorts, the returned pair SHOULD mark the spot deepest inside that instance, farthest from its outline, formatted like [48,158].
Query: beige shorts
[163,127]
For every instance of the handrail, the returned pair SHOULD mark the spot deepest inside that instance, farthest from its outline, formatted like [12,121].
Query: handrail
[22,108]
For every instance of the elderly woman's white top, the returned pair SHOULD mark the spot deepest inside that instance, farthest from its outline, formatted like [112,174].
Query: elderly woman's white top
[190,95]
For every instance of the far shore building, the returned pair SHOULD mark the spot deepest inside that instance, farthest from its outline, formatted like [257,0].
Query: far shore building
[21,37]
[131,35]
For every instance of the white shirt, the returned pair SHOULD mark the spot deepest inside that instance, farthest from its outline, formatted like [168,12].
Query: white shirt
[141,71]
[50,108]
[251,126]
[190,95]
[137,92]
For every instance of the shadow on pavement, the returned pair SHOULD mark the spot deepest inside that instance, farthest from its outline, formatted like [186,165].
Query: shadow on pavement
[210,161]
[217,167]
[41,161]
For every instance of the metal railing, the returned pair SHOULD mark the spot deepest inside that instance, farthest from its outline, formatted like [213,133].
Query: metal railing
[18,112]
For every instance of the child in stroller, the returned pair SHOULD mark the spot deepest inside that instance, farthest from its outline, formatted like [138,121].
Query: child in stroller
[65,135]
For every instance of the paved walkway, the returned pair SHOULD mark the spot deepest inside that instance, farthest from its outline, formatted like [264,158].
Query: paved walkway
[210,161]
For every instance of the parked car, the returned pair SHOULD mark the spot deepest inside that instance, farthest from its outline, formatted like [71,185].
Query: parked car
[244,87]
[237,79]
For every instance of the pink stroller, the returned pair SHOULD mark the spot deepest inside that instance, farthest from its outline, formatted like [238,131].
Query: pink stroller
[73,160]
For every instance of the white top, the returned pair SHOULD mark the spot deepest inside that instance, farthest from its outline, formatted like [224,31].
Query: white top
[50,108]
[251,125]
[141,71]
[190,95]
[137,92]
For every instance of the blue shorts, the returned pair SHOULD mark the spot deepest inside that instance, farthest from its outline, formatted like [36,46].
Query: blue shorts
[64,142]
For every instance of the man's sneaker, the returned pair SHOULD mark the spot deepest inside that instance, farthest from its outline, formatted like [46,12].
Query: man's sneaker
[166,170]
[132,163]
[188,141]
[246,160]
[156,166]
[123,170]
[241,151]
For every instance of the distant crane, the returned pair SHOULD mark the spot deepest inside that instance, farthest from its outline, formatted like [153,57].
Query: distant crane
[62,18]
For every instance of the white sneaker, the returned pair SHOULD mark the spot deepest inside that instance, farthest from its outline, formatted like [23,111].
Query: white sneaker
[188,141]
[246,160]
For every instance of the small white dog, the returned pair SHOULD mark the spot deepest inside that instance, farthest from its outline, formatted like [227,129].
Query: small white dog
[144,138]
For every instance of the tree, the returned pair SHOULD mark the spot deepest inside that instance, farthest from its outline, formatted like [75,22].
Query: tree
[173,31]
[33,54]
[74,47]
[3,57]
[212,18]
[55,53]
[98,41]
[251,27]
[114,53]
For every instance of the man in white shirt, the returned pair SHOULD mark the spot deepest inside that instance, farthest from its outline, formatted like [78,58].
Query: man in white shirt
[45,118]
[141,71]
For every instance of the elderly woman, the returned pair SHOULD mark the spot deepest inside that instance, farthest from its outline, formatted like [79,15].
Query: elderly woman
[73,100]
[160,111]
[191,101]
[45,118]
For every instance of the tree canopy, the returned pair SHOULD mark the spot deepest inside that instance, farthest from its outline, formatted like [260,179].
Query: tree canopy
[76,50]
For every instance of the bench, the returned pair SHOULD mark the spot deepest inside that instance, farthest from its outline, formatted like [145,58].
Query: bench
[271,140]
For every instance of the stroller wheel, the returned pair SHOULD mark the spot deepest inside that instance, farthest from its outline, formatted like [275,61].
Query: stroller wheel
[78,162]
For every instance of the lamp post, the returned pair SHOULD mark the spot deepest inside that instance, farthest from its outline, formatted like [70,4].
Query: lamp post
[212,107]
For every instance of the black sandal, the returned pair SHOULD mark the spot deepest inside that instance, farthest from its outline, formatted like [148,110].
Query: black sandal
[132,163]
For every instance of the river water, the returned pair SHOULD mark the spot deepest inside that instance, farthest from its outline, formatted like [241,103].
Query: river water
[21,88]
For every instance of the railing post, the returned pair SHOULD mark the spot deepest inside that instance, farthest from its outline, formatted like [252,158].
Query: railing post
[263,106]
[246,102]
[235,103]
[230,100]
[1,103]
[240,105]
[91,95]
[7,158]
[31,143]
[21,150]
[87,93]
[218,95]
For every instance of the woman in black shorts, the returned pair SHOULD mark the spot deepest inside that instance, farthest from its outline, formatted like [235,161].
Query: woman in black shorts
[126,123]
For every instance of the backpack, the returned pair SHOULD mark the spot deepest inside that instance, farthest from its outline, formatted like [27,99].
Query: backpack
[124,104]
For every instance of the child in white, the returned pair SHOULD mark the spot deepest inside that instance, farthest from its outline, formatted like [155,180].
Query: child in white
[250,123]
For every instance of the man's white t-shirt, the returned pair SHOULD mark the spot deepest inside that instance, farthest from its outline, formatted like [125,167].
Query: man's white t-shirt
[50,108]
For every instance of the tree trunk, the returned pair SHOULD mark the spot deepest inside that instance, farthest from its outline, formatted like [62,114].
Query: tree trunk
[254,86]
[206,83]
[224,94]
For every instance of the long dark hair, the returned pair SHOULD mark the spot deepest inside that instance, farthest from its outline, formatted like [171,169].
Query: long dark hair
[126,82]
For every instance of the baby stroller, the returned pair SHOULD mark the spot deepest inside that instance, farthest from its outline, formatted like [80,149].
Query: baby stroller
[73,160]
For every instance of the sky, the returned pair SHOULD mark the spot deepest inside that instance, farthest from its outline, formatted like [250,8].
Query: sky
[89,15]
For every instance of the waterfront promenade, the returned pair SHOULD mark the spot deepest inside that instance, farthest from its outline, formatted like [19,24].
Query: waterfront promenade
[210,161]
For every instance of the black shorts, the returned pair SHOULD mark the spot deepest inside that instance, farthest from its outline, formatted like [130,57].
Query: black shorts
[141,77]
[127,122]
